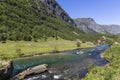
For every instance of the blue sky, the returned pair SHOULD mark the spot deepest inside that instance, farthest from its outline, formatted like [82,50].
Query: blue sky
[103,11]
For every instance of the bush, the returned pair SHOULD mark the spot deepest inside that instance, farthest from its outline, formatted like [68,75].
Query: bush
[19,52]
[78,42]
[109,41]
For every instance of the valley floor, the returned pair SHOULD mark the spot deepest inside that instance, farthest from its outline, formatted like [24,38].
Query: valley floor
[12,49]
[111,71]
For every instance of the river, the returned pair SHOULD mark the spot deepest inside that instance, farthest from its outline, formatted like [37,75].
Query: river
[71,64]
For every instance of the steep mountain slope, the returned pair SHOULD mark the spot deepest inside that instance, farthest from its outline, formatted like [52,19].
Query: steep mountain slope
[89,25]
[34,19]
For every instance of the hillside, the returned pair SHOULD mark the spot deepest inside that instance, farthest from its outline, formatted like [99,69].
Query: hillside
[90,26]
[32,20]
[35,19]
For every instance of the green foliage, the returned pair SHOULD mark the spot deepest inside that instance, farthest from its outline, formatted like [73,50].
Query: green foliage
[109,41]
[23,20]
[19,52]
[78,43]
[111,70]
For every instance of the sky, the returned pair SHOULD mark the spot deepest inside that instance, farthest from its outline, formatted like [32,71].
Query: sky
[102,11]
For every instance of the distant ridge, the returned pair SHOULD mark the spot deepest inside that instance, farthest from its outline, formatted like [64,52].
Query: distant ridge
[90,26]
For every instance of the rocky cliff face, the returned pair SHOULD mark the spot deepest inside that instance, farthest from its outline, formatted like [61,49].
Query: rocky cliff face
[89,25]
[53,9]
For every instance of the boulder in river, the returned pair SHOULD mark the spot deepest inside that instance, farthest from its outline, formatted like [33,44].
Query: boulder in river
[30,71]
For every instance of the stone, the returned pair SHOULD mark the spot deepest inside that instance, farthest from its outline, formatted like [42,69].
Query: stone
[6,70]
[30,71]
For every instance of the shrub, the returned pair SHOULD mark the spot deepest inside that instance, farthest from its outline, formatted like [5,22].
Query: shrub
[78,42]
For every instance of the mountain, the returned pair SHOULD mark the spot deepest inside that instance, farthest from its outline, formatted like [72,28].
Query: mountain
[35,19]
[90,26]
[53,9]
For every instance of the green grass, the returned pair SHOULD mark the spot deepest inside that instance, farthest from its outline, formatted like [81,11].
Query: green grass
[109,72]
[12,49]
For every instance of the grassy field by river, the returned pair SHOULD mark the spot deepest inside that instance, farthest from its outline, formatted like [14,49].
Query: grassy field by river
[12,49]
[109,72]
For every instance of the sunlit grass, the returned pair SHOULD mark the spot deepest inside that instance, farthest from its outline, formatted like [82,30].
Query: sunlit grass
[31,48]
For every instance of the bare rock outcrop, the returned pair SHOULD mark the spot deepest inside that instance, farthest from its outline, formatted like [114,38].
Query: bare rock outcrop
[31,71]
[53,9]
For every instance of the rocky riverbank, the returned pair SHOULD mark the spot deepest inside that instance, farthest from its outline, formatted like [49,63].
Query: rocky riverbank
[6,68]
[31,71]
